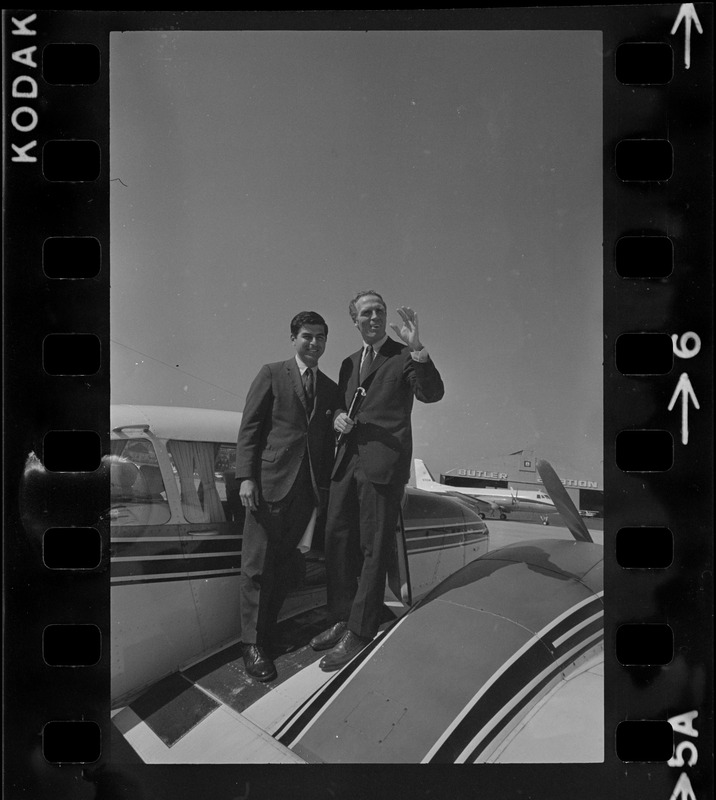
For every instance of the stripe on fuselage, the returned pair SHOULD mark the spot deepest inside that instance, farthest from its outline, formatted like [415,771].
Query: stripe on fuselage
[138,560]
[296,726]
[540,656]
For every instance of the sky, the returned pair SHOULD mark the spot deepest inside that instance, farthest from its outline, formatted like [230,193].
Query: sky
[256,174]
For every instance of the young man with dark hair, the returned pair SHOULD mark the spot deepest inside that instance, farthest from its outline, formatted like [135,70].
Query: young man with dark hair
[283,465]
[371,469]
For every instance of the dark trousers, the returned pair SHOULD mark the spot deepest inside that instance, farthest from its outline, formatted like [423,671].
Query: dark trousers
[360,530]
[268,556]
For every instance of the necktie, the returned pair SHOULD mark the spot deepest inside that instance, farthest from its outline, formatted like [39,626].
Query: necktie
[367,363]
[308,386]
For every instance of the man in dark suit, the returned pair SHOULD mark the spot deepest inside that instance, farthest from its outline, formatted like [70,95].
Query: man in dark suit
[283,465]
[371,469]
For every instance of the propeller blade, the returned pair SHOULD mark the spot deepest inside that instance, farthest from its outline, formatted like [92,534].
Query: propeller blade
[563,501]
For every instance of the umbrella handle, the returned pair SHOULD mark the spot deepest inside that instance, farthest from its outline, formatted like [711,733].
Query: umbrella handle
[353,410]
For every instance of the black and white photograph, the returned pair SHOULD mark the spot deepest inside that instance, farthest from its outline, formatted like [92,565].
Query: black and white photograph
[358,406]
[440,188]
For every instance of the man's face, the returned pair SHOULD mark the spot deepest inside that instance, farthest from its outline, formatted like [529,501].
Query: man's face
[370,318]
[310,342]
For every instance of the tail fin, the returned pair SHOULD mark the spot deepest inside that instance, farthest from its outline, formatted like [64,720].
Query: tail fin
[422,473]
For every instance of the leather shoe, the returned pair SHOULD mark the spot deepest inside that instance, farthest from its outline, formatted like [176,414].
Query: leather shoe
[257,664]
[350,645]
[329,638]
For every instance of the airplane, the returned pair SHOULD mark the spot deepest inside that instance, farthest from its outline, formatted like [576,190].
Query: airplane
[176,527]
[516,639]
[497,501]
[500,662]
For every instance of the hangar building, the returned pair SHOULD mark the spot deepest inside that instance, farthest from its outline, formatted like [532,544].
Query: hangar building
[517,470]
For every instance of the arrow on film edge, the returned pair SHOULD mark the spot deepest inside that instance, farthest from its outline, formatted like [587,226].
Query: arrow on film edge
[685,389]
[687,12]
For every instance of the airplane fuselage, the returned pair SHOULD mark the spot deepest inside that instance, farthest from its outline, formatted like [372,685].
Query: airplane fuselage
[506,500]
[176,532]
[500,501]
[523,641]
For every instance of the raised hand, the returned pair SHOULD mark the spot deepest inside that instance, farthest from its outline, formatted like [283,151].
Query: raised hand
[408,331]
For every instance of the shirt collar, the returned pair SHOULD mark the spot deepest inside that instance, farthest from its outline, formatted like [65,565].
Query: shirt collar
[303,367]
[376,345]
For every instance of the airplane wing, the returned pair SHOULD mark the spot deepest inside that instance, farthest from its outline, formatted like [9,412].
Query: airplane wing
[472,673]
[452,680]
[477,503]
[463,676]
[219,737]
[212,712]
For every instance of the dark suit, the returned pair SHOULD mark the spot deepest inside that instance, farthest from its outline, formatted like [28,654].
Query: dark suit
[287,449]
[371,469]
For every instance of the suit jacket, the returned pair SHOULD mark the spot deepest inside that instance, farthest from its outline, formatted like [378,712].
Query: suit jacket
[278,430]
[383,432]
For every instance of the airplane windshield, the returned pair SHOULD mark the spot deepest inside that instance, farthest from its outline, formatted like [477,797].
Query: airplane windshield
[138,495]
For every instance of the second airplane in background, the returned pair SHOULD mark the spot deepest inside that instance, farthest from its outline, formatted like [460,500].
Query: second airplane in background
[499,502]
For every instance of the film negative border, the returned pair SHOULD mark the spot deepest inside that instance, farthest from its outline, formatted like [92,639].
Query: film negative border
[659,230]
[56,234]
[56,281]
[651,161]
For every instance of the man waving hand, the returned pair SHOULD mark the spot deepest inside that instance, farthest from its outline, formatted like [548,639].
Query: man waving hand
[371,469]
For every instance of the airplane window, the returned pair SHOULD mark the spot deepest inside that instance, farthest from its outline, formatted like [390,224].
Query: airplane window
[138,494]
[427,508]
[194,464]
[225,474]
